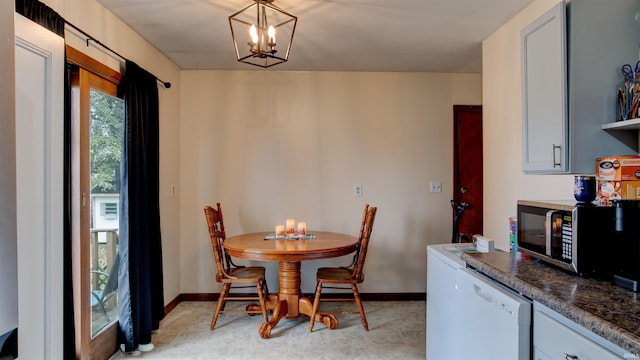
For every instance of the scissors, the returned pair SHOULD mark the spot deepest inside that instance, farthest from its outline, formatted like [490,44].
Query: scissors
[630,73]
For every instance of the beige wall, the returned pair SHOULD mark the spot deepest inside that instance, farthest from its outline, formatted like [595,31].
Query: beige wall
[270,145]
[90,16]
[504,181]
[320,134]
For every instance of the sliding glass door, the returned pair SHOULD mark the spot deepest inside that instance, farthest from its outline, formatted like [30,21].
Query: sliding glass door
[97,139]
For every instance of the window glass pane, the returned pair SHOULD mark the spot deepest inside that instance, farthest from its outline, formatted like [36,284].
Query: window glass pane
[105,147]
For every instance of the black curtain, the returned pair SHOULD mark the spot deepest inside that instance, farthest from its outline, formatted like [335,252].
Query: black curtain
[48,18]
[69,317]
[40,13]
[141,294]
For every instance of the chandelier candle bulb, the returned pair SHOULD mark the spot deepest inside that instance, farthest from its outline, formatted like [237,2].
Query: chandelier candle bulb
[302,228]
[272,35]
[290,227]
[253,33]
[279,230]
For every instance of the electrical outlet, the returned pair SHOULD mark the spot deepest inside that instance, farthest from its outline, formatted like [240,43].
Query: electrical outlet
[357,190]
[435,186]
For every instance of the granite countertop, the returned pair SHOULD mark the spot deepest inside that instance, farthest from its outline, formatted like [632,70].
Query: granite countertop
[599,306]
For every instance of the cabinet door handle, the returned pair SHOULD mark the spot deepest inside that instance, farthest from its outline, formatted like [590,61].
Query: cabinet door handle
[556,163]
[570,357]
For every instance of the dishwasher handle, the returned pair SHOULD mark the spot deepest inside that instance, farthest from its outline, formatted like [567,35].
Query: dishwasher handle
[482,293]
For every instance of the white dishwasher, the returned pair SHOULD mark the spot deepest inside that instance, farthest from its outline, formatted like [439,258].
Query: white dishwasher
[496,321]
[470,316]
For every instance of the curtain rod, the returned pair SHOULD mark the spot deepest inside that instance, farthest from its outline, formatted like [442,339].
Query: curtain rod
[91,38]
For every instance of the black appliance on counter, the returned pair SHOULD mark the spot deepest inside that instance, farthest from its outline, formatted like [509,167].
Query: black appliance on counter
[601,242]
[626,257]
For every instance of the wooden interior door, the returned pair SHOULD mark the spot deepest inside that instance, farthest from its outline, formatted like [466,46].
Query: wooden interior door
[467,167]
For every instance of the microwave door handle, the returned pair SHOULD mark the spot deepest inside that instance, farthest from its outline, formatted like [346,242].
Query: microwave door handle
[549,231]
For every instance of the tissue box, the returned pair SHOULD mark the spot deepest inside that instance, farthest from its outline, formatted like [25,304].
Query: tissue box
[484,245]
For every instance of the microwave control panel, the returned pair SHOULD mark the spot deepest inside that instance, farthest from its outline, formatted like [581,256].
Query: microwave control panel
[566,237]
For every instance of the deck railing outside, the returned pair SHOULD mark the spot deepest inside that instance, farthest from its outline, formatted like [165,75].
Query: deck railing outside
[102,252]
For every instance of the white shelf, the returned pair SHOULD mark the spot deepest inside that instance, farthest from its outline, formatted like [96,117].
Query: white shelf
[632,124]
[626,125]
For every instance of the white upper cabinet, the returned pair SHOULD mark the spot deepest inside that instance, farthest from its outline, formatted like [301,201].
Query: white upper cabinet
[571,59]
[545,93]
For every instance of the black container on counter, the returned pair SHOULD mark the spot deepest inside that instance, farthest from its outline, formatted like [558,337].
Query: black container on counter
[625,251]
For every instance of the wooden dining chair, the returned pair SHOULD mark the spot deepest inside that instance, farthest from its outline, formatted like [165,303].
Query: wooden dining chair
[231,275]
[346,277]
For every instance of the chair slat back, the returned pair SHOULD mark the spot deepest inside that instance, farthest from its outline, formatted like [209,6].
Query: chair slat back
[362,225]
[368,217]
[112,281]
[217,235]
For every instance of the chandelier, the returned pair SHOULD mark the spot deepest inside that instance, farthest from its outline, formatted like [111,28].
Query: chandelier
[254,30]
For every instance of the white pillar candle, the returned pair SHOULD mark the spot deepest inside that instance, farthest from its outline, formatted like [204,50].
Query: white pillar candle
[279,230]
[302,228]
[290,227]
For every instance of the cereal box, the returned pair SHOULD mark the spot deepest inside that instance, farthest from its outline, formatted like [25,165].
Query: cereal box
[618,168]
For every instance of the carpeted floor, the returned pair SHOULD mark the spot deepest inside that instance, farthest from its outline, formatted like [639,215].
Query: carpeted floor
[396,331]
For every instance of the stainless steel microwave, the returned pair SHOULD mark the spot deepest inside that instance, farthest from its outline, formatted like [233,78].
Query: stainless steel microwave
[575,237]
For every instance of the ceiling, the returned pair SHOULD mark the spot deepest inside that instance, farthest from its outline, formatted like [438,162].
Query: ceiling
[331,35]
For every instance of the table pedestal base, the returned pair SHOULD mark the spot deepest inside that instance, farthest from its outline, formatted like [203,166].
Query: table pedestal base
[281,309]
[289,302]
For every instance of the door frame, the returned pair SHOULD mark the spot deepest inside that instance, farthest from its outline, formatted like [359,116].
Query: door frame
[39,120]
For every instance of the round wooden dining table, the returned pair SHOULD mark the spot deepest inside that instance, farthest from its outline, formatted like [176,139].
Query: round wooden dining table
[289,302]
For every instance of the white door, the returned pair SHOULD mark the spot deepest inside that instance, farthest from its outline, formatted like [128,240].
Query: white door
[39,177]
